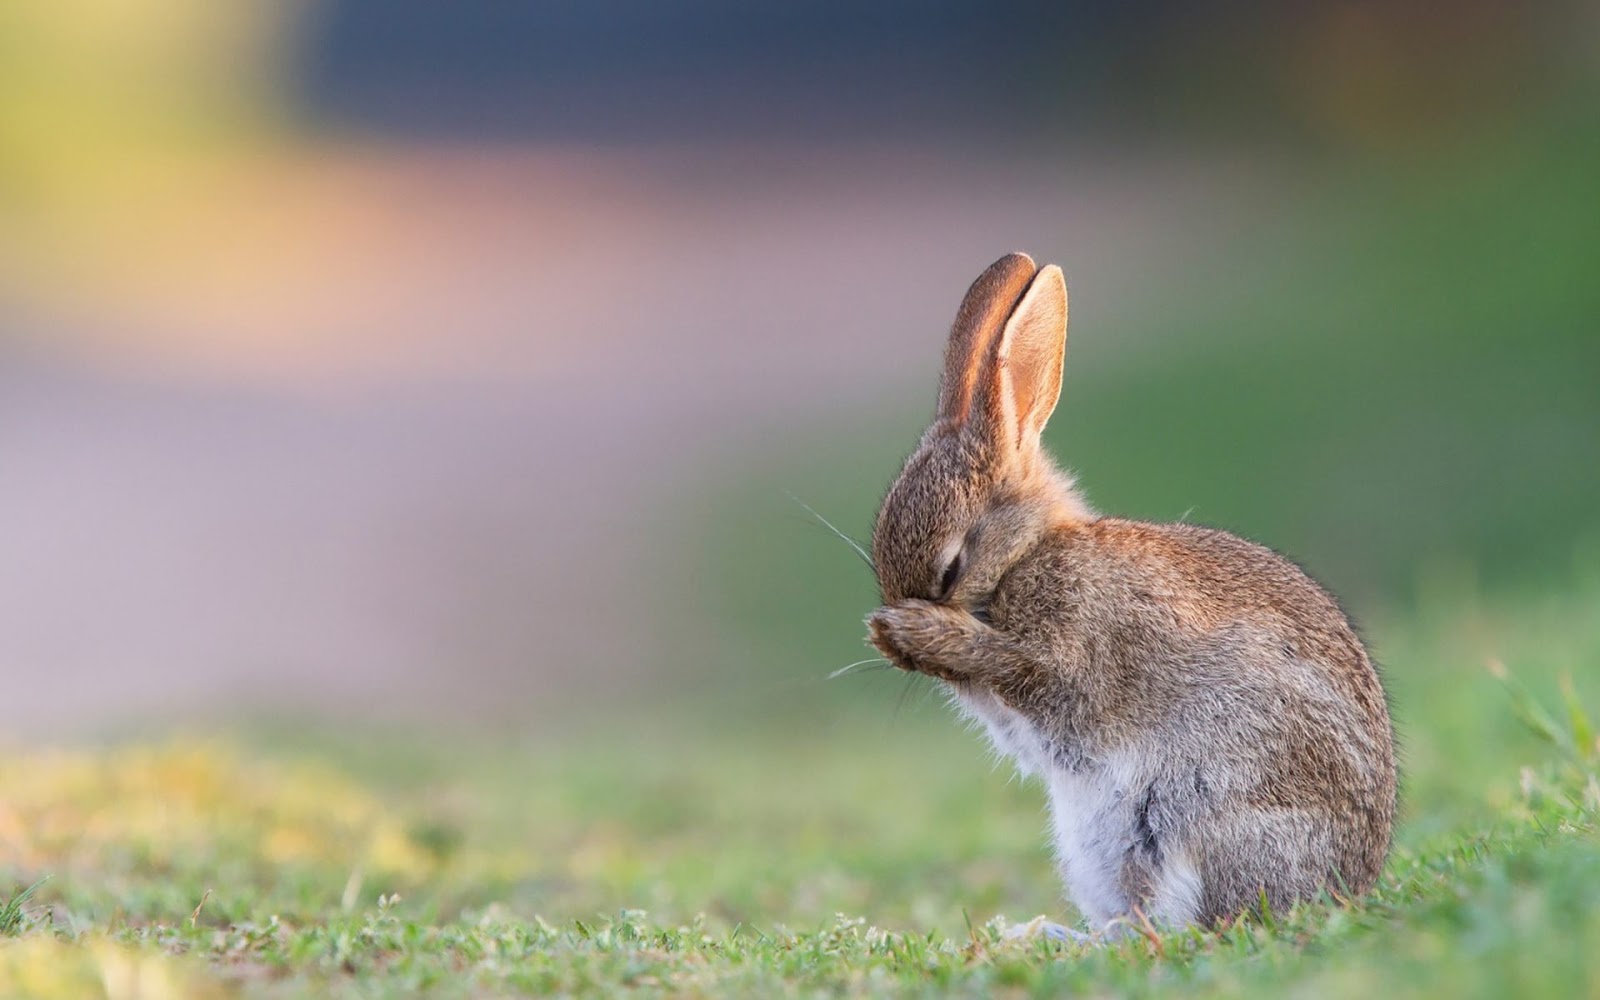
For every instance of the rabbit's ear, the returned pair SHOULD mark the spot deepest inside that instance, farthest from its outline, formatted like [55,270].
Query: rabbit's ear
[978,326]
[1030,355]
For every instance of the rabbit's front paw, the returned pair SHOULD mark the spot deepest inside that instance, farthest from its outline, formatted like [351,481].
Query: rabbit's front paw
[883,632]
[921,637]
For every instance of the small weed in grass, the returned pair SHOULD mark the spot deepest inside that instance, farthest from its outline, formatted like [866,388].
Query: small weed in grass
[13,913]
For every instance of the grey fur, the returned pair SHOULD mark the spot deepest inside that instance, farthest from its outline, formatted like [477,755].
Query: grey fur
[1207,723]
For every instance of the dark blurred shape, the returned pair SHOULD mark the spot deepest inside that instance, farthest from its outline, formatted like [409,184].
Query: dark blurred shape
[897,70]
[637,69]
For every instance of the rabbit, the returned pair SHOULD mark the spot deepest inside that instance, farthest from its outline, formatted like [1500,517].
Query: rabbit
[1208,726]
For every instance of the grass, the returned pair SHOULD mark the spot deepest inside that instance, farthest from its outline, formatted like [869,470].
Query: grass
[840,849]
[13,912]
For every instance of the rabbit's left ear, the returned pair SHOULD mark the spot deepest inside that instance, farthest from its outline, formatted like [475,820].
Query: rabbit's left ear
[1030,355]
[969,357]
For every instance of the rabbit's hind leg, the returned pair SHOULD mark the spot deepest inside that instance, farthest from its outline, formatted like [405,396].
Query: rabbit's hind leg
[1176,891]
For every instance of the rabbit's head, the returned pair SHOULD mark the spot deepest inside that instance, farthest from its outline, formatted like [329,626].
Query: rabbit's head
[979,491]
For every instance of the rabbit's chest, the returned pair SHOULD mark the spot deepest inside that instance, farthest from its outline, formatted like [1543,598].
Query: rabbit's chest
[1094,833]
[1090,806]
[1009,732]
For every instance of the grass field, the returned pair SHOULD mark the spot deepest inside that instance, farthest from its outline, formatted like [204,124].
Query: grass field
[750,828]
[842,848]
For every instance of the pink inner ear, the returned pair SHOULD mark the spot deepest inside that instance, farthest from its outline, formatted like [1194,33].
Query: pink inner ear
[1032,351]
[976,331]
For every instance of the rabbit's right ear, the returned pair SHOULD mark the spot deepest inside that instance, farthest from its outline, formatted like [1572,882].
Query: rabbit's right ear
[978,326]
[1030,354]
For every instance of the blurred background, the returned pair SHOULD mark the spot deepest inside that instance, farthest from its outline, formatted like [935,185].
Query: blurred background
[395,362]
[406,412]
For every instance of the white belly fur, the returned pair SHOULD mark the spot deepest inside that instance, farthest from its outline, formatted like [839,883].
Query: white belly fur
[1089,810]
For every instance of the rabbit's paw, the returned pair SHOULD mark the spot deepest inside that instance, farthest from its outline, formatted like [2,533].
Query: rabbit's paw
[923,638]
[1040,927]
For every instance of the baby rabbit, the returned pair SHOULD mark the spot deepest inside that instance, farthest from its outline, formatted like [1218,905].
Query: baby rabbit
[1205,719]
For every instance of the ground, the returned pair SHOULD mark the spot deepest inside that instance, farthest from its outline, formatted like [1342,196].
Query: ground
[850,848]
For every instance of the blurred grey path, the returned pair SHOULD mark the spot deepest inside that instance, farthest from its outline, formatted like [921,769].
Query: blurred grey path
[426,468]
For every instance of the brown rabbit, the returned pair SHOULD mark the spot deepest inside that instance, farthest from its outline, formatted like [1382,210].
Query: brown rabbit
[1205,719]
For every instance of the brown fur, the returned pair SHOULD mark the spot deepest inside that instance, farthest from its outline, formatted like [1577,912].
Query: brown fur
[1205,690]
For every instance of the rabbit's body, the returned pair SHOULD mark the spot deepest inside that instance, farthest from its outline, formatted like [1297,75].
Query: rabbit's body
[1205,720]
[1186,722]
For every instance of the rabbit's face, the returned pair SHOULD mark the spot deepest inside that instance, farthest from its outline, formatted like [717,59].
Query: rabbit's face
[959,517]
[924,520]
[979,491]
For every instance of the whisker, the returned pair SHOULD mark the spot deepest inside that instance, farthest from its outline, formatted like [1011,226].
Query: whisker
[911,682]
[859,663]
[829,525]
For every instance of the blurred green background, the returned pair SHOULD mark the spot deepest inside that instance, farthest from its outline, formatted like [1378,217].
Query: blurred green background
[426,392]
[1392,379]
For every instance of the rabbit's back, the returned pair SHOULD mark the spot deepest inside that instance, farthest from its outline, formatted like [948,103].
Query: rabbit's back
[1206,605]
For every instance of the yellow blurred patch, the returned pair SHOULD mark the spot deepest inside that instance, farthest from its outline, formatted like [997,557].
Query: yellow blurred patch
[167,806]
[45,968]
